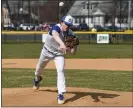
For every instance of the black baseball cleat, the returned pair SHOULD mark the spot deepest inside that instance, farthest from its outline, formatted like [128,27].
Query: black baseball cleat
[36,83]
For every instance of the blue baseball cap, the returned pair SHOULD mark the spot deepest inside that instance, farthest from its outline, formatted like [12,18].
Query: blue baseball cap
[68,20]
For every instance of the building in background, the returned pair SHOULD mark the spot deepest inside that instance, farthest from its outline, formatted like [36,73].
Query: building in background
[101,12]
[91,12]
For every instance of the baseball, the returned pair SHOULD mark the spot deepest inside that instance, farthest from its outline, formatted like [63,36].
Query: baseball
[61,3]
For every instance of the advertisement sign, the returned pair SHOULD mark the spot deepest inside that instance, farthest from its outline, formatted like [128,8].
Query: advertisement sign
[102,38]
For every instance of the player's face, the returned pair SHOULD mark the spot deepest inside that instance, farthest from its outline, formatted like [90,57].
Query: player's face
[64,26]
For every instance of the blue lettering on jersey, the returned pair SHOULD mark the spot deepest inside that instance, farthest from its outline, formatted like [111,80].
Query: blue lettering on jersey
[56,28]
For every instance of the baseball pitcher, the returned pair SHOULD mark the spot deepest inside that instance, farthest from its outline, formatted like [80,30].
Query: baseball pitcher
[60,41]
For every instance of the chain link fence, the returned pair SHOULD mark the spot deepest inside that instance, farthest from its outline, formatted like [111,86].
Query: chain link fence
[87,38]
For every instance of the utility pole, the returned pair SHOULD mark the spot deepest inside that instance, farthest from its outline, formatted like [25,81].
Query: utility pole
[38,7]
[89,12]
[129,14]
[29,11]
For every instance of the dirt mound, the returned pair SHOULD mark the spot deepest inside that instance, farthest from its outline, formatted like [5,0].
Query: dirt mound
[47,96]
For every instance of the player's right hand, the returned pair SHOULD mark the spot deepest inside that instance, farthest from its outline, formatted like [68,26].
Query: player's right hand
[63,48]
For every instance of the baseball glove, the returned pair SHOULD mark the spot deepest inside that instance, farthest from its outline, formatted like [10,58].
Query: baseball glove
[71,41]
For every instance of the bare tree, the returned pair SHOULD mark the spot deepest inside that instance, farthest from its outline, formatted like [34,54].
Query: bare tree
[9,10]
[129,14]
[29,10]
[114,2]
[2,17]
[38,8]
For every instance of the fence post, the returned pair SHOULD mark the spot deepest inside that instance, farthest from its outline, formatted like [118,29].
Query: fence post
[89,38]
[35,37]
[117,38]
[4,38]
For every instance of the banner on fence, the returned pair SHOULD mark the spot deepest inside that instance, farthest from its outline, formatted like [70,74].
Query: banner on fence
[102,38]
[44,36]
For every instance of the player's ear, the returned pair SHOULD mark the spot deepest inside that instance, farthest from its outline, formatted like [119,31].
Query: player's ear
[61,22]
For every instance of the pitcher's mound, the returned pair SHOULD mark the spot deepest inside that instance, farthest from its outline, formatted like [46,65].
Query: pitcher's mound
[47,96]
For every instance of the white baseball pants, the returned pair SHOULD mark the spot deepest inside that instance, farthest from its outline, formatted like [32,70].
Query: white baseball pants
[45,57]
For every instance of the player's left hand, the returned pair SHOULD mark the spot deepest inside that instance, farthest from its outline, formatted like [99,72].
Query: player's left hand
[71,41]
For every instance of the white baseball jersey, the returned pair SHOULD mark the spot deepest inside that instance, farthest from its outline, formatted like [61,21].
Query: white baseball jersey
[51,45]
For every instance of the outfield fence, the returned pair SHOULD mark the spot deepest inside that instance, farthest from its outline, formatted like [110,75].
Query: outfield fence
[84,37]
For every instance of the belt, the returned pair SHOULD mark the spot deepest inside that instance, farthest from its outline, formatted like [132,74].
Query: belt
[52,52]
[48,50]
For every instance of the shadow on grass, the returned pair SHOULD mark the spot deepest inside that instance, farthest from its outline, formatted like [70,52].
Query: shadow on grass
[78,95]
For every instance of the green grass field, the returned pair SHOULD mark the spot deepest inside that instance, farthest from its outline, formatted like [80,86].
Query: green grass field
[32,50]
[98,79]
[106,80]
